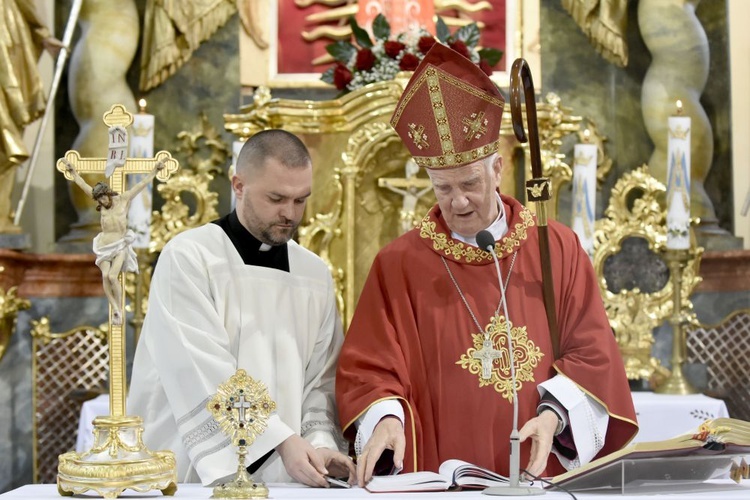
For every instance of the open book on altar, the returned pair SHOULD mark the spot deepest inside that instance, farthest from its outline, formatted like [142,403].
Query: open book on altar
[453,474]
[717,449]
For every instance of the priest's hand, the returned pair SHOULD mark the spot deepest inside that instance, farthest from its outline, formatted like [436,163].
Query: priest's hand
[541,430]
[387,435]
[303,462]
[338,464]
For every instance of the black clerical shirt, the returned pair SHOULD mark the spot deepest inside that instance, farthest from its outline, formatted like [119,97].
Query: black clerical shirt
[249,247]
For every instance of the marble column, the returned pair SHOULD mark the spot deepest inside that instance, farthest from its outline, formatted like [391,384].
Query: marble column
[679,70]
[96,81]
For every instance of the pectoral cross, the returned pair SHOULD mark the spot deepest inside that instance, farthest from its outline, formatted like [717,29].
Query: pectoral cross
[117,116]
[242,405]
[487,354]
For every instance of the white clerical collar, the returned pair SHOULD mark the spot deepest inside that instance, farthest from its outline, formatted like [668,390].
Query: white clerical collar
[498,228]
[264,247]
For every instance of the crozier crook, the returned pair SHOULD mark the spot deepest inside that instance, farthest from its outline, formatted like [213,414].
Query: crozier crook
[538,188]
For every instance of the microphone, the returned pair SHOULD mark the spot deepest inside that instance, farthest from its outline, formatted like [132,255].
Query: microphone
[486,241]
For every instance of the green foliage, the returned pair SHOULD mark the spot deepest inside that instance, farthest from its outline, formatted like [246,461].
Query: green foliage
[468,34]
[442,31]
[360,35]
[327,76]
[380,27]
[341,51]
[492,56]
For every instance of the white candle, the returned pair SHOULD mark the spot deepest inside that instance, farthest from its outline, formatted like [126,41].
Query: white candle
[584,193]
[141,146]
[678,181]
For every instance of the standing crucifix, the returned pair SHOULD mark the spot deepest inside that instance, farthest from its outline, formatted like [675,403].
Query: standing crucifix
[112,245]
[412,188]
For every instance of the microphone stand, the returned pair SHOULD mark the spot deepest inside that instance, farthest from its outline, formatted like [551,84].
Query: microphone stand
[513,488]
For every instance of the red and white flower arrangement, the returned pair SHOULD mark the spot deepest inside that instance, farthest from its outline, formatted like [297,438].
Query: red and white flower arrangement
[382,58]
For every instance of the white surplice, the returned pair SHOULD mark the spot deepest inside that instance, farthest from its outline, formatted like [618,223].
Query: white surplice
[208,315]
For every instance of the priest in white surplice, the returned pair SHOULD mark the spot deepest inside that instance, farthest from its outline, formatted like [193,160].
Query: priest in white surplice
[239,293]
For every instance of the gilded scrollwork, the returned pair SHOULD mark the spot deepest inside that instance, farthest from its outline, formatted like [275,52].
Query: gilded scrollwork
[10,305]
[603,161]
[206,153]
[555,121]
[635,211]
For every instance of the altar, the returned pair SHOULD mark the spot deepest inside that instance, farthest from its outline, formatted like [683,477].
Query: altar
[712,490]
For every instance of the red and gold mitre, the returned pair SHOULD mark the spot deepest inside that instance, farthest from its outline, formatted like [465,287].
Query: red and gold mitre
[450,112]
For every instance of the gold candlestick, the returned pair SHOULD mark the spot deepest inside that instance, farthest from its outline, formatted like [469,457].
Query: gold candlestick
[676,383]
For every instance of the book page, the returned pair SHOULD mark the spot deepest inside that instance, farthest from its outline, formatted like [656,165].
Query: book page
[714,438]
[469,475]
[410,481]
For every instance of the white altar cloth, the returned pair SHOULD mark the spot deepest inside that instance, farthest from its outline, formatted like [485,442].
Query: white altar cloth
[663,416]
[660,416]
[712,490]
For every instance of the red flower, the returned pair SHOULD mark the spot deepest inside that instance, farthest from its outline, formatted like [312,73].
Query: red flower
[409,62]
[393,49]
[460,47]
[365,60]
[341,76]
[485,66]
[425,43]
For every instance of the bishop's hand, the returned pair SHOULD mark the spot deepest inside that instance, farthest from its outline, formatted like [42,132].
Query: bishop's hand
[541,430]
[388,435]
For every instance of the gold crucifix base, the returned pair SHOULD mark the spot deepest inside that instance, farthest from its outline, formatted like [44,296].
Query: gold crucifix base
[118,460]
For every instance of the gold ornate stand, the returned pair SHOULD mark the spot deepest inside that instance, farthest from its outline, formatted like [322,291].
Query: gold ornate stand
[243,485]
[676,383]
[117,461]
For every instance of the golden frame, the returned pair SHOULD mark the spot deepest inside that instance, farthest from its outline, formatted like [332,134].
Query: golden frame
[258,65]
[634,314]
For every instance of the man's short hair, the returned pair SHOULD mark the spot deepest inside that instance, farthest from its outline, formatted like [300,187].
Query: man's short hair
[282,146]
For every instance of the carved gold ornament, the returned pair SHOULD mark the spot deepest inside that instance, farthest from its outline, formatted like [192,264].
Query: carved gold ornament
[10,305]
[632,313]
[241,407]
[525,353]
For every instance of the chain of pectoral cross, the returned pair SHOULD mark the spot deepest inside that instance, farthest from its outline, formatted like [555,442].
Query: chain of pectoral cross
[488,352]
[466,303]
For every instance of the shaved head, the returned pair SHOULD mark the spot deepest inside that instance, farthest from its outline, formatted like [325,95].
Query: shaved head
[276,144]
[272,184]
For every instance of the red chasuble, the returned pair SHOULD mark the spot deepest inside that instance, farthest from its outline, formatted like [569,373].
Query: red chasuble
[412,338]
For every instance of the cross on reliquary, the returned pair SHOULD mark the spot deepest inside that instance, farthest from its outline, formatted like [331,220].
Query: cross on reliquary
[118,116]
[241,406]
[487,354]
